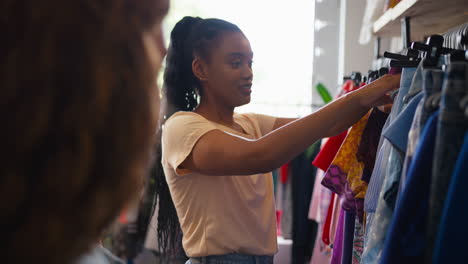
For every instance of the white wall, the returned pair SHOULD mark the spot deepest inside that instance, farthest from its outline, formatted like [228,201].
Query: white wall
[337,50]
[353,56]
[326,40]
[281,37]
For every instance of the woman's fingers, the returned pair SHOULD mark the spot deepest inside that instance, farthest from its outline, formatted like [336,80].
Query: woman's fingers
[383,100]
[388,83]
[385,108]
[377,92]
[383,86]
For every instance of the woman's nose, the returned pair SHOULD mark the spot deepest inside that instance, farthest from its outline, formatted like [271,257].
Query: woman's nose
[247,73]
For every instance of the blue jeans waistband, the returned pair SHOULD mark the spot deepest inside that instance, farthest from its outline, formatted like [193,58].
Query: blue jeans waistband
[232,259]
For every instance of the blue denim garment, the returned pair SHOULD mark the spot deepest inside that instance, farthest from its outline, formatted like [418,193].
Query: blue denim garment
[397,134]
[380,165]
[409,77]
[232,259]
[383,215]
[451,239]
[405,240]
[432,85]
[416,89]
[376,181]
[451,130]
[374,200]
[433,80]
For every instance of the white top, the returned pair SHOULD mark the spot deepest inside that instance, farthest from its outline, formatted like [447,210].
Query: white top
[219,214]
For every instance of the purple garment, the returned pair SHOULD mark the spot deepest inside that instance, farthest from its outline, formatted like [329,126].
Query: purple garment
[338,242]
[336,180]
[394,70]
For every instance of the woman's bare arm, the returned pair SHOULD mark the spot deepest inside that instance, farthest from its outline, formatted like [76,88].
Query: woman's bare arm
[220,153]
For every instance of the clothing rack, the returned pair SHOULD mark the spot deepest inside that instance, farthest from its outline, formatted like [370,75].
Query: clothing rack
[457,38]
[406,32]
[427,17]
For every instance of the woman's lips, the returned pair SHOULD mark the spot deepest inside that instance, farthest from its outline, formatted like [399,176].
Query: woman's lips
[246,89]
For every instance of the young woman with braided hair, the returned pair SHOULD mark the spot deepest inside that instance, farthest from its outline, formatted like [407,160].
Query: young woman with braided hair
[216,162]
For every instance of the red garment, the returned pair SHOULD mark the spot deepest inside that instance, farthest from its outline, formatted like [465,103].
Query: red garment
[278,222]
[328,220]
[328,152]
[348,86]
[331,147]
[284,173]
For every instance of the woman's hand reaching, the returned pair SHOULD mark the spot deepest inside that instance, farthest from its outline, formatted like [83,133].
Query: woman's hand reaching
[377,93]
[385,108]
[239,156]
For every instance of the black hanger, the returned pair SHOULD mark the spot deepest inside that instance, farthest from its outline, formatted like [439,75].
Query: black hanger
[462,39]
[426,48]
[457,55]
[431,50]
[372,75]
[404,64]
[410,60]
[411,55]
[357,78]
[383,71]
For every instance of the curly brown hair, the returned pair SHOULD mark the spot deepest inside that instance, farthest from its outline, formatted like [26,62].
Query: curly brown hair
[78,111]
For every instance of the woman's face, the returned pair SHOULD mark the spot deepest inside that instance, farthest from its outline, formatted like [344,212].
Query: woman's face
[229,70]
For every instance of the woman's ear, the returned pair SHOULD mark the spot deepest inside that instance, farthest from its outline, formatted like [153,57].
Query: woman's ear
[199,69]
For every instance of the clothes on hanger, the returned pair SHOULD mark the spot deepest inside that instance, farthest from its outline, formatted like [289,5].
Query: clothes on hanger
[406,227]
[394,223]
[397,186]
[451,128]
[331,236]
[450,237]
[377,227]
[368,146]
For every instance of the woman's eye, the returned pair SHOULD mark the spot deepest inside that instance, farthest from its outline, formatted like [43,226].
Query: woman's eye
[235,64]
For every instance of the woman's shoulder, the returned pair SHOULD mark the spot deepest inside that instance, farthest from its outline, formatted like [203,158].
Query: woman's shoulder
[248,117]
[183,122]
[184,118]
[244,116]
[184,115]
[260,122]
[181,116]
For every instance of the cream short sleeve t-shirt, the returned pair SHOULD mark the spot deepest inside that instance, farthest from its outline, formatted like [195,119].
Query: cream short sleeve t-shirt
[219,214]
